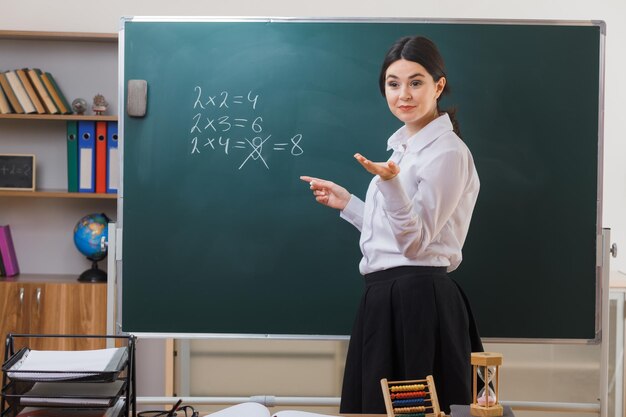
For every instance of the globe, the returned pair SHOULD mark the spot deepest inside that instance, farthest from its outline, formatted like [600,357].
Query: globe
[90,237]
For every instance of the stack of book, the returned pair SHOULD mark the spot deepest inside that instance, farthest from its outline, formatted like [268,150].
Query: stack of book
[31,91]
[92,157]
[8,260]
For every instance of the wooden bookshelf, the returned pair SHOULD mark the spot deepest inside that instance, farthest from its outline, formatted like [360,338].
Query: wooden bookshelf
[45,136]
[58,36]
[32,299]
[110,118]
[34,38]
[57,194]
[41,38]
[42,278]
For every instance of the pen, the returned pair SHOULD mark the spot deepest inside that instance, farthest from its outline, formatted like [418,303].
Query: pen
[172,412]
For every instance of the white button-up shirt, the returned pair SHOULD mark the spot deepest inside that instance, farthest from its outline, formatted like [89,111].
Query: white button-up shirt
[421,216]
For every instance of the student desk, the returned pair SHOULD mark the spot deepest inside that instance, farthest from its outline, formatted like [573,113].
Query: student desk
[363,415]
[461,411]
[374,415]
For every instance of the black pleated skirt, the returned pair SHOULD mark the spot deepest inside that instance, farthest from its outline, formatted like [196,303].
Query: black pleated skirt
[412,322]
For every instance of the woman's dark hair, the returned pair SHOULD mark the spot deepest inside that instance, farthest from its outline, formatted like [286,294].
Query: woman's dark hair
[423,51]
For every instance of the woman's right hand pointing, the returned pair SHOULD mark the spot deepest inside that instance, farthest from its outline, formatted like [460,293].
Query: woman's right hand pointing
[327,192]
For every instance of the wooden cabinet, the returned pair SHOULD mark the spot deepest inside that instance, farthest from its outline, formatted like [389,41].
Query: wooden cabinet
[13,299]
[53,305]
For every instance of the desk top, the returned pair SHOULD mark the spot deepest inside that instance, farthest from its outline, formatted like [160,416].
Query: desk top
[464,411]
[363,415]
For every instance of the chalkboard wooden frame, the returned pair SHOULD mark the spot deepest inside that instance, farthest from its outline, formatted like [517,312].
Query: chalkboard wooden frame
[591,326]
[18,172]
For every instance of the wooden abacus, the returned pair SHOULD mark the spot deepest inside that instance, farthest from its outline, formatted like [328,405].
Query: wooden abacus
[415,398]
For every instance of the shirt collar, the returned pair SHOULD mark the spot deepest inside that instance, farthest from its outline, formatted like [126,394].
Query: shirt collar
[401,140]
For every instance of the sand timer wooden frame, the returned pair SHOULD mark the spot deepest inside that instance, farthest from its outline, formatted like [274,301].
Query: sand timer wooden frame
[491,407]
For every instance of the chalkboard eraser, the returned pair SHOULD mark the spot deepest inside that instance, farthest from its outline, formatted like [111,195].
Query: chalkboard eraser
[137,98]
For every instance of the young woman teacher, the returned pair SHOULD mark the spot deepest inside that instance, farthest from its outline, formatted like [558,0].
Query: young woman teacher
[413,319]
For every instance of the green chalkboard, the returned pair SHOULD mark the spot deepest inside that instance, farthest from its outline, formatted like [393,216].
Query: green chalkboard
[220,235]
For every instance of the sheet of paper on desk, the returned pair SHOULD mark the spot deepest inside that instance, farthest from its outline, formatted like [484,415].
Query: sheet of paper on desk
[89,361]
[243,410]
[71,394]
[251,409]
[73,412]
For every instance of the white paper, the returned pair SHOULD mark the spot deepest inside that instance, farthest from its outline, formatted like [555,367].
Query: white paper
[71,394]
[79,364]
[249,409]
[252,409]
[86,179]
[292,413]
[73,412]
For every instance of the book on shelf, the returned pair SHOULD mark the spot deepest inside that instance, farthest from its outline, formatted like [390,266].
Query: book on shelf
[113,163]
[5,107]
[92,156]
[30,90]
[42,92]
[7,251]
[57,94]
[72,155]
[20,92]
[86,156]
[101,157]
[252,409]
[6,87]
[3,272]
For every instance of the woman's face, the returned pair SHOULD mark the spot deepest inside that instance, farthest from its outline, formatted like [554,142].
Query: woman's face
[412,94]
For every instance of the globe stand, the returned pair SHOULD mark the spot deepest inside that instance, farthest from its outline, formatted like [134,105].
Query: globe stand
[93,274]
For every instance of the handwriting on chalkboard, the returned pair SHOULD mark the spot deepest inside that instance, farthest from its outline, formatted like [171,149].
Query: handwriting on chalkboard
[219,125]
[15,170]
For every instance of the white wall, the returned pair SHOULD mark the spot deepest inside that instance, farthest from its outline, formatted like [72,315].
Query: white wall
[104,16]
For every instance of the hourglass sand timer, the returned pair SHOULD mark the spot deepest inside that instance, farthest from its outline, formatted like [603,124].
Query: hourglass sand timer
[486,366]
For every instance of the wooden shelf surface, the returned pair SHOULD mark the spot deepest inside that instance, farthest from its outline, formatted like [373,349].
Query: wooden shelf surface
[58,36]
[44,278]
[109,118]
[56,194]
